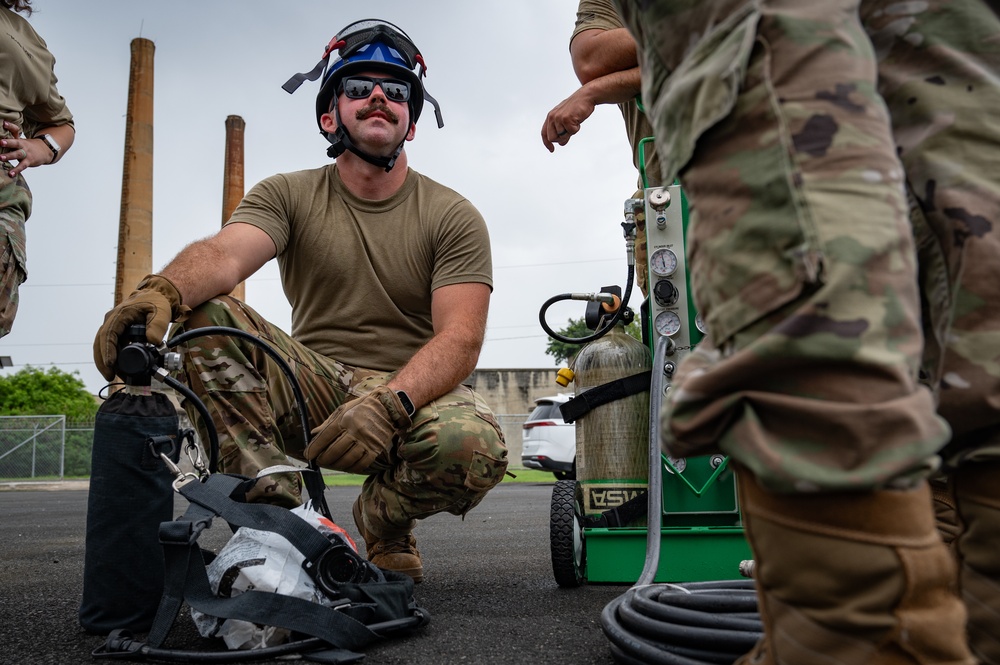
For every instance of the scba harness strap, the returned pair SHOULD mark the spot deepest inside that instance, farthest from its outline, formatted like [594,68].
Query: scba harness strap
[370,604]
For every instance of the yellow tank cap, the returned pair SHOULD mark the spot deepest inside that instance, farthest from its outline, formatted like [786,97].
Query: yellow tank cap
[565,376]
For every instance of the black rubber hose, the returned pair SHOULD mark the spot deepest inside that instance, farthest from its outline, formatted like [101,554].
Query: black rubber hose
[121,644]
[213,434]
[600,332]
[698,623]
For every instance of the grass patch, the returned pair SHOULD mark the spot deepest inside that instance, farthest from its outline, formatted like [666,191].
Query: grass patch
[340,479]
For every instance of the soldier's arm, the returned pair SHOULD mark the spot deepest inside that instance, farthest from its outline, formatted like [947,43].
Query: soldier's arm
[598,53]
[459,314]
[215,265]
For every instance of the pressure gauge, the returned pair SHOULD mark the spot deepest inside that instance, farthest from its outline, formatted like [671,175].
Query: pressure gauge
[667,323]
[663,262]
[700,324]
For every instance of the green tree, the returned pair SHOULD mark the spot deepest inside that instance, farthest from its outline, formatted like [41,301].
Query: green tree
[564,352]
[34,391]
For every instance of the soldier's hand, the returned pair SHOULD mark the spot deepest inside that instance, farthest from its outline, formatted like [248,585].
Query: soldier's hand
[155,302]
[358,436]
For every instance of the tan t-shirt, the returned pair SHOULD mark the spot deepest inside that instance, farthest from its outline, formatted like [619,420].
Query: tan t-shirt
[601,15]
[359,274]
[28,95]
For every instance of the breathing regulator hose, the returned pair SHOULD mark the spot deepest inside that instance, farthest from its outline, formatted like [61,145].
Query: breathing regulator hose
[610,301]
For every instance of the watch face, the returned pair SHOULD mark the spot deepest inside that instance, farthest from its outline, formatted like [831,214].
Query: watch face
[407,403]
[51,142]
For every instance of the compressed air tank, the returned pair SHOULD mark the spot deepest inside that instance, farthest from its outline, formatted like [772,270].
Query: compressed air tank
[612,440]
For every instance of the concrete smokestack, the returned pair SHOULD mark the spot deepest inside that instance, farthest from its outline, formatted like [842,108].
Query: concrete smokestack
[135,225]
[232,180]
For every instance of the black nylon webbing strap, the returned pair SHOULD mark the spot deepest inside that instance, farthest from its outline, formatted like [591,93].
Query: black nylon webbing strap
[623,515]
[588,400]
[260,516]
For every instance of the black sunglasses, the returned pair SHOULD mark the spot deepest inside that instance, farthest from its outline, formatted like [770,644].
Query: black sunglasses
[361,87]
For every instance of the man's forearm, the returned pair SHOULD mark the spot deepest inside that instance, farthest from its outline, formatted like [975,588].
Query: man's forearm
[200,272]
[615,88]
[440,365]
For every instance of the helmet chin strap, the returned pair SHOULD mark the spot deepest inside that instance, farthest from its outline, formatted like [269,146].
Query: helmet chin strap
[341,142]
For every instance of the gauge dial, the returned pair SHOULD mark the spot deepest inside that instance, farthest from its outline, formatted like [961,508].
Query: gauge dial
[663,262]
[700,324]
[667,323]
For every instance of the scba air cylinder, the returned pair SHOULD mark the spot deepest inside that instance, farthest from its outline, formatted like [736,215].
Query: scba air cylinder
[612,440]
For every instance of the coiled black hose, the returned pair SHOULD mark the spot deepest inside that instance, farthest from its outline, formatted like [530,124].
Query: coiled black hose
[698,623]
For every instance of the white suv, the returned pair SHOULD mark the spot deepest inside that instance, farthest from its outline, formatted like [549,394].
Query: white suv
[548,441]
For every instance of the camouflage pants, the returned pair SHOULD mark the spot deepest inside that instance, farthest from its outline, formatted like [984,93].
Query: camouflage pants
[15,207]
[446,462]
[824,138]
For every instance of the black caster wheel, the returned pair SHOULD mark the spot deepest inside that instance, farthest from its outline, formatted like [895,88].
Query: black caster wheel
[566,535]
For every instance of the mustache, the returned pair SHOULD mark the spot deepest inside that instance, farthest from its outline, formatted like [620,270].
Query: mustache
[377,107]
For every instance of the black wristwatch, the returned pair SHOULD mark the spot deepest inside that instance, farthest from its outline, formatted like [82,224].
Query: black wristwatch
[407,403]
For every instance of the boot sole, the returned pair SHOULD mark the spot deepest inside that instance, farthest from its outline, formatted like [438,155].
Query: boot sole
[416,573]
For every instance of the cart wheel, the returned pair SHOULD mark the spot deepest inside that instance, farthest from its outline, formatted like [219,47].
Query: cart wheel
[566,536]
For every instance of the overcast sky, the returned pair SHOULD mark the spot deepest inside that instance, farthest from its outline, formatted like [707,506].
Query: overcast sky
[496,68]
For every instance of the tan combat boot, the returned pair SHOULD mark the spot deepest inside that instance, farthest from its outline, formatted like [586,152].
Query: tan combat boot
[394,551]
[977,494]
[851,579]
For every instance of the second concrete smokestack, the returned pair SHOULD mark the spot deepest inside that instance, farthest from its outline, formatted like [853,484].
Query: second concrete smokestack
[135,224]
[232,181]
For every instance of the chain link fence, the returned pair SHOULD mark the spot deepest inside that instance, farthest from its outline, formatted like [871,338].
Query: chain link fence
[49,447]
[44,447]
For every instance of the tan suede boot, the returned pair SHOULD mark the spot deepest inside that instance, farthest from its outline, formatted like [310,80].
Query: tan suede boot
[949,525]
[851,579]
[977,491]
[395,551]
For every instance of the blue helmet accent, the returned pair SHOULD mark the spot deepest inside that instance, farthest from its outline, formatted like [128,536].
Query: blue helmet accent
[376,56]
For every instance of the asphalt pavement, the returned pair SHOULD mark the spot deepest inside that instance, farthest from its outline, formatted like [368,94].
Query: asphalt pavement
[488,585]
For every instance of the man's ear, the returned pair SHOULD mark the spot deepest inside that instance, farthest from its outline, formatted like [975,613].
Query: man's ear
[413,131]
[328,123]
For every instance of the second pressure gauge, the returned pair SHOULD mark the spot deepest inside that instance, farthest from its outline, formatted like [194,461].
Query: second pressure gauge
[667,323]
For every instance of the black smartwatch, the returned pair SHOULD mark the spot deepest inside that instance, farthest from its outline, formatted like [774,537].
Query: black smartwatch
[52,144]
[406,402]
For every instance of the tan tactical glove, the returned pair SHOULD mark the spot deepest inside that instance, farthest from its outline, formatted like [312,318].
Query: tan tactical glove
[155,302]
[358,436]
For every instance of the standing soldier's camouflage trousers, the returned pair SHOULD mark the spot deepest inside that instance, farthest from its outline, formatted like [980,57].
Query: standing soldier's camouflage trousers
[825,147]
[15,207]
[447,461]
[805,201]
